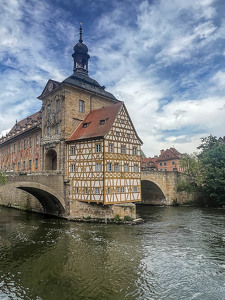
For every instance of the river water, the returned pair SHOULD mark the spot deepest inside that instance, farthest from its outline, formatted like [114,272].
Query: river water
[178,253]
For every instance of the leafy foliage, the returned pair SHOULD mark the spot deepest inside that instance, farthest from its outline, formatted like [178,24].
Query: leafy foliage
[208,171]
[213,160]
[191,164]
[208,143]
[2,178]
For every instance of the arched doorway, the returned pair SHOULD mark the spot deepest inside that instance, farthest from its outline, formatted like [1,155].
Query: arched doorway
[51,160]
[151,193]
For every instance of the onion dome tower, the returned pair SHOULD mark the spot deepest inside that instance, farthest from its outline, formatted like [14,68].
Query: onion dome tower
[80,56]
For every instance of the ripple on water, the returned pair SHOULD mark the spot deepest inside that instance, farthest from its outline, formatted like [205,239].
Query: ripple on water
[178,253]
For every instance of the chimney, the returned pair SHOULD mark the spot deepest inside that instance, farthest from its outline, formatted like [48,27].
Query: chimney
[161,152]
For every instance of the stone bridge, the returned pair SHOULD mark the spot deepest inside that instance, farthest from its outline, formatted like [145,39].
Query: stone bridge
[48,187]
[52,190]
[159,188]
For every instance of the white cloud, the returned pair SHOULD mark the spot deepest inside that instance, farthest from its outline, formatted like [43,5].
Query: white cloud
[159,60]
[219,80]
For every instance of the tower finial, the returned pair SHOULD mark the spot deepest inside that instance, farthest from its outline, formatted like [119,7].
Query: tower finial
[80,40]
[80,56]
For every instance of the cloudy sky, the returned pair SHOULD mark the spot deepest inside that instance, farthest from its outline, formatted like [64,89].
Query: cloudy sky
[164,58]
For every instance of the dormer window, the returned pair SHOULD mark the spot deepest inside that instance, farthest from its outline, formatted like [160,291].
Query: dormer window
[103,121]
[86,124]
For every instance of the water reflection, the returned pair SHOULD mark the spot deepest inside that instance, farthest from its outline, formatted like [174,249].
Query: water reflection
[178,253]
[55,259]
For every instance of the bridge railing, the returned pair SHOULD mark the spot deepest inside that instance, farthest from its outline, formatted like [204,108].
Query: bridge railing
[149,170]
[38,173]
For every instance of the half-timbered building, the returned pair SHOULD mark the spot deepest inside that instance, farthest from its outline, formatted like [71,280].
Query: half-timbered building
[104,157]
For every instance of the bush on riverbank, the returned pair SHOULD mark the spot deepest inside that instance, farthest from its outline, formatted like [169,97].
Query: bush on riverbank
[2,178]
[207,171]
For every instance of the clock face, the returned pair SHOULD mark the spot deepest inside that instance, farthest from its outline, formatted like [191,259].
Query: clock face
[50,87]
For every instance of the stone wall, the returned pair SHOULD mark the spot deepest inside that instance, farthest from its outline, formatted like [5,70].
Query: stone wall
[19,199]
[82,210]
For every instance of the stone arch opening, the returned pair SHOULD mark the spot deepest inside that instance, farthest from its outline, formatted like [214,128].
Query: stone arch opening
[51,205]
[152,193]
[51,160]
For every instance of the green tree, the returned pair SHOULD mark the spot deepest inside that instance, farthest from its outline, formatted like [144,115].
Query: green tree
[191,165]
[213,162]
[208,143]
[2,178]
[207,170]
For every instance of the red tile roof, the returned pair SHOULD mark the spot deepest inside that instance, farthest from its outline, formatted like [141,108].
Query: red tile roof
[24,121]
[168,154]
[94,129]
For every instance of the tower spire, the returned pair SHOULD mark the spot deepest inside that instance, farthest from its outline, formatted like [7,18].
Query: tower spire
[80,56]
[80,40]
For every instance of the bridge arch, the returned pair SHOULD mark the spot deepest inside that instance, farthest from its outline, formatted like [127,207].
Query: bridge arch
[166,182]
[152,193]
[51,202]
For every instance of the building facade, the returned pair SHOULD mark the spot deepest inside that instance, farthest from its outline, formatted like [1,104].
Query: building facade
[83,131]
[168,160]
[20,149]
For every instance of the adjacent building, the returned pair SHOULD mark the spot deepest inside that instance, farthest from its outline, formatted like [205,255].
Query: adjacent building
[168,160]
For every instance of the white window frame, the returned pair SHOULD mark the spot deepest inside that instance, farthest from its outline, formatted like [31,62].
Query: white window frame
[134,150]
[116,167]
[136,168]
[111,148]
[72,150]
[109,167]
[123,149]
[98,167]
[72,168]
[126,167]
[98,148]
